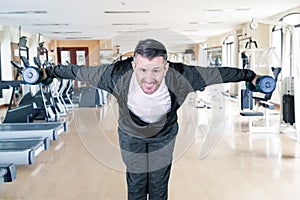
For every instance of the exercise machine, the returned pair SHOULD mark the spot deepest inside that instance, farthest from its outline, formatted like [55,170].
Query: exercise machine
[248,99]
[22,151]
[52,130]
[8,172]
[31,107]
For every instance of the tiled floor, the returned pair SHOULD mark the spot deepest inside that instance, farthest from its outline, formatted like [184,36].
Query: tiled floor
[85,162]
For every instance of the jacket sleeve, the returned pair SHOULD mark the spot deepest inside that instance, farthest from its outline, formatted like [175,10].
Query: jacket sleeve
[97,76]
[200,77]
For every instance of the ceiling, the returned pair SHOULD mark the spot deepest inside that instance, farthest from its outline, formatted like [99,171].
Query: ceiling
[176,23]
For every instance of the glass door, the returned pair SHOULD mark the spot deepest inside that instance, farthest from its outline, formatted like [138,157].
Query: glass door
[73,55]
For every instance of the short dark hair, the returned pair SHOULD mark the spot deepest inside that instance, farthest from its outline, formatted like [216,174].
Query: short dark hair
[150,49]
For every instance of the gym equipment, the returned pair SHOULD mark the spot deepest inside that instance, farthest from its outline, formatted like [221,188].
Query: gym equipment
[30,75]
[249,44]
[23,44]
[9,172]
[45,110]
[50,130]
[89,97]
[288,108]
[64,93]
[30,107]
[22,114]
[264,84]
[248,99]
[22,151]
[8,84]
[47,81]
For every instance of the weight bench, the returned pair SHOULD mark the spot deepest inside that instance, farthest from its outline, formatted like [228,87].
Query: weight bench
[264,115]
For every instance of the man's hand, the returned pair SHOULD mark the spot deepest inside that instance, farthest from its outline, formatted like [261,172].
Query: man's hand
[255,79]
[44,74]
[263,84]
[46,80]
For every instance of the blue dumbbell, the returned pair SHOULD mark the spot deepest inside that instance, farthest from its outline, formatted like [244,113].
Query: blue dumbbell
[264,84]
[32,75]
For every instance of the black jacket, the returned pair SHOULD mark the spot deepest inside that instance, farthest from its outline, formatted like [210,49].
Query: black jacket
[181,79]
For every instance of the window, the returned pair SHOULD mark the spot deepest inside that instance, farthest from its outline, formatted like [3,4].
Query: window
[228,49]
[286,42]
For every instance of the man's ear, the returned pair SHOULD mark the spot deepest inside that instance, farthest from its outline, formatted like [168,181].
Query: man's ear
[133,65]
[166,68]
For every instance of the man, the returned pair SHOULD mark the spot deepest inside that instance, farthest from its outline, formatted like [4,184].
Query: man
[149,91]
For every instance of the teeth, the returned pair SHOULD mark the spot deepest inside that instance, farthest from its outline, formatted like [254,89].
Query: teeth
[148,84]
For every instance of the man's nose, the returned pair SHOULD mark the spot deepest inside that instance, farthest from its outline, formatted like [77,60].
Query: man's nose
[149,75]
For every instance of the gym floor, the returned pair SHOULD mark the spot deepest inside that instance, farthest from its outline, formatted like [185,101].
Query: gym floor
[84,163]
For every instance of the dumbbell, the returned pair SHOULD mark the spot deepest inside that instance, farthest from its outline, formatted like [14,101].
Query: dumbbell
[33,75]
[263,84]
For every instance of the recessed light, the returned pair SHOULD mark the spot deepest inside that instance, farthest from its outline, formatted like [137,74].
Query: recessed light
[23,12]
[213,10]
[228,9]
[51,24]
[65,32]
[78,37]
[190,30]
[242,9]
[128,24]
[131,31]
[216,22]
[126,11]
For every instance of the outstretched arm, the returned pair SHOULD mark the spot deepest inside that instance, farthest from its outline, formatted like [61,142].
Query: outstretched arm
[226,75]
[95,75]
[200,77]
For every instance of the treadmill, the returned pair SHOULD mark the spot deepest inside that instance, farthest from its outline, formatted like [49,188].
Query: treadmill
[24,130]
[50,130]
[8,173]
[22,151]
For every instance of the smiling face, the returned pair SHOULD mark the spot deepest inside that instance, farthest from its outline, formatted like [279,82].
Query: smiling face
[149,73]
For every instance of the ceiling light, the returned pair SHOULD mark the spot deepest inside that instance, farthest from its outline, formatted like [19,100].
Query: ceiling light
[65,32]
[125,11]
[242,9]
[51,24]
[216,22]
[190,30]
[78,37]
[128,24]
[131,31]
[213,10]
[23,12]
[228,9]
[198,23]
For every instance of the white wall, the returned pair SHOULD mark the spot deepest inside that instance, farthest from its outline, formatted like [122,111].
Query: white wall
[6,68]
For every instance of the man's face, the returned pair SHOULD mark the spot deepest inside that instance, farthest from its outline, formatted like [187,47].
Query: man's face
[149,73]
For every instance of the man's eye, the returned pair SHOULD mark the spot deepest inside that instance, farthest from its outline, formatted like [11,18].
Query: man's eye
[156,71]
[142,70]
